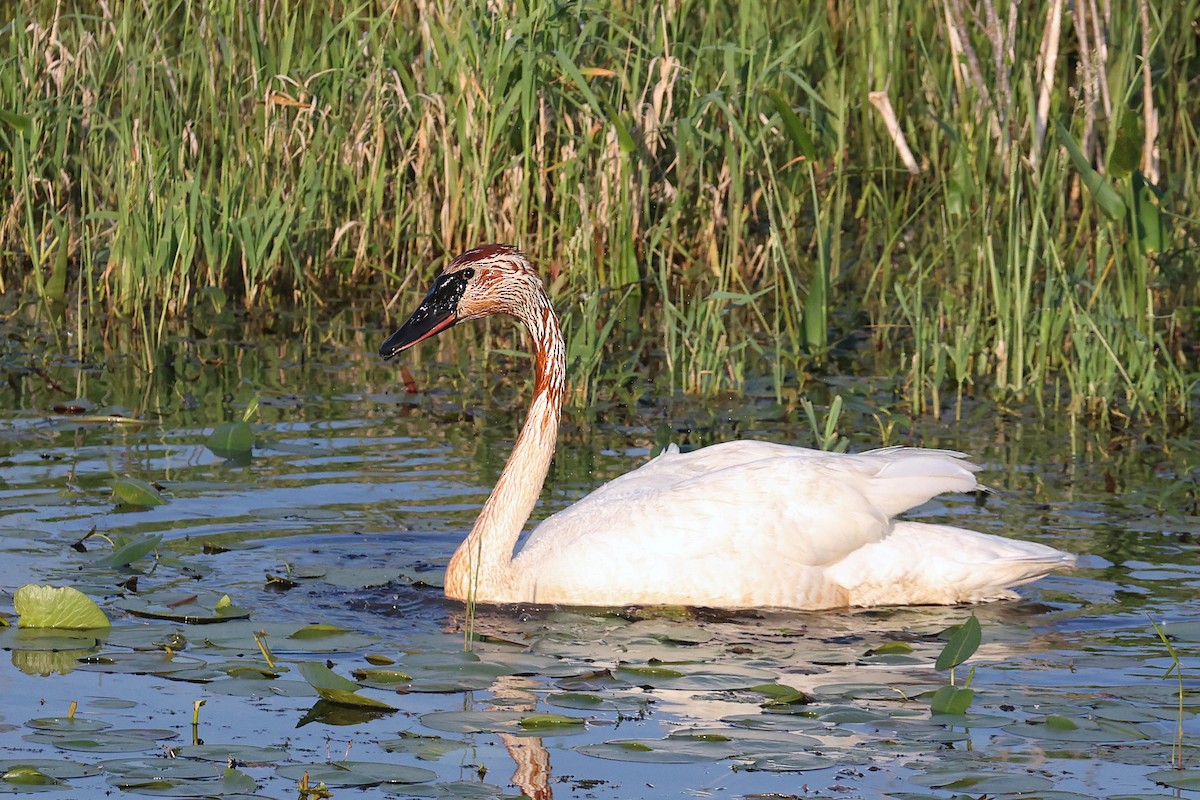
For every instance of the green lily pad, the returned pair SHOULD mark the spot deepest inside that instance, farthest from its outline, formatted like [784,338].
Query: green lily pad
[95,742]
[27,776]
[495,721]
[54,767]
[426,748]
[793,762]
[356,773]
[68,724]
[586,701]
[140,663]
[200,607]
[660,751]
[136,492]
[336,689]
[1177,778]
[57,607]
[243,753]
[1063,729]
[231,440]
[130,551]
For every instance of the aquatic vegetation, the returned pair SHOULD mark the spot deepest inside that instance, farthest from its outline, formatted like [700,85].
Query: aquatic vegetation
[982,207]
[356,494]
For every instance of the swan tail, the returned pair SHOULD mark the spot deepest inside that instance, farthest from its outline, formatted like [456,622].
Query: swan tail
[923,564]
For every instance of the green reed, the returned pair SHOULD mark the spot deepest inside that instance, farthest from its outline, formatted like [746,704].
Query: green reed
[718,174]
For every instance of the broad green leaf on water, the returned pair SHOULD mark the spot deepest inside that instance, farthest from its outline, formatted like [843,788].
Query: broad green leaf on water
[356,773]
[672,750]
[59,768]
[793,126]
[1106,196]
[234,780]
[223,752]
[891,648]
[318,631]
[27,776]
[336,689]
[382,676]
[136,492]
[61,607]
[320,677]
[1177,778]
[426,748]
[131,551]
[791,762]
[951,700]
[1062,729]
[542,721]
[196,608]
[596,702]
[962,645]
[495,721]
[68,724]
[231,439]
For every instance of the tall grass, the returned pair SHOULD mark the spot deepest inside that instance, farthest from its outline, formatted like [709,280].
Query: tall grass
[717,174]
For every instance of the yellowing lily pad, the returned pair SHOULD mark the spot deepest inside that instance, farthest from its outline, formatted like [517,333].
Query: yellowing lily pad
[57,607]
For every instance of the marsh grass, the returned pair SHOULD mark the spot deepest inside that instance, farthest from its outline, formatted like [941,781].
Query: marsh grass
[710,172]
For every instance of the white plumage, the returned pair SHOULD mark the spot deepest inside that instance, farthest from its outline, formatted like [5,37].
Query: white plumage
[736,525]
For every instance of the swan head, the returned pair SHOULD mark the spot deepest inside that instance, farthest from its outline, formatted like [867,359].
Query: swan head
[490,279]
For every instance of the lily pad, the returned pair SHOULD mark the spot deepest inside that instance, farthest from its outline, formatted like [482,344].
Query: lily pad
[57,607]
[54,767]
[495,721]
[130,551]
[231,440]
[672,750]
[136,492]
[191,608]
[426,748]
[356,773]
[243,753]
[336,689]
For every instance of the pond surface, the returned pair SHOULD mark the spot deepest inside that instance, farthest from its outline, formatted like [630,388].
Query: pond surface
[330,539]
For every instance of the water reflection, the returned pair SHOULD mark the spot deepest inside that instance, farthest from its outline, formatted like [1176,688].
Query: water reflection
[359,491]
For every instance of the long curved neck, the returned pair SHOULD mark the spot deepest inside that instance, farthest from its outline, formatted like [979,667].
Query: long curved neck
[481,568]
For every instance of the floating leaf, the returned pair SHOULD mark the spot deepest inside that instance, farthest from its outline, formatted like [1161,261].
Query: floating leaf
[962,645]
[131,551]
[195,608]
[1177,778]
[426,748]
[231,440]
[336,689]
[951,700]
[136,492]
[891,648]
[543,721]
[61,607]
[356,773]
[27,776]
[244,753]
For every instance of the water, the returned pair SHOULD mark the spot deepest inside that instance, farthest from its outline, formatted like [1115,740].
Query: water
[359,491]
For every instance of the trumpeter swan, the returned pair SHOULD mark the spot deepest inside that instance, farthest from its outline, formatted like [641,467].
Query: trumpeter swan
[737,525]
